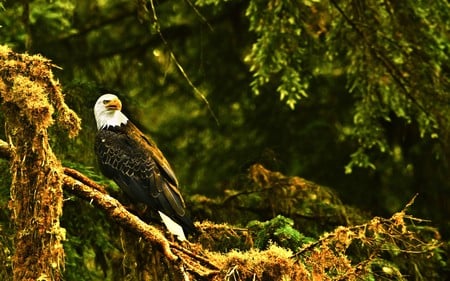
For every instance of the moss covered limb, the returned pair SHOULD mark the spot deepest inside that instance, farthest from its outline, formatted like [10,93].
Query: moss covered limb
[29,98]
[195,261]
[118,213]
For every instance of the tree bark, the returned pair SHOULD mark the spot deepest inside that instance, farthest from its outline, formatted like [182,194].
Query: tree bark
[36,205]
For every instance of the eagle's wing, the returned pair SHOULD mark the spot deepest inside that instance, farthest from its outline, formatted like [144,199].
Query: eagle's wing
[140,169]
[153,151]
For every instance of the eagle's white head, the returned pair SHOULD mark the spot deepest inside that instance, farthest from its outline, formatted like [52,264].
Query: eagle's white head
[107,112]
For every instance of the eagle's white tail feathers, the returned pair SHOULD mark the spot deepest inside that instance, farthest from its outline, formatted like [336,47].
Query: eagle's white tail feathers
[173,227]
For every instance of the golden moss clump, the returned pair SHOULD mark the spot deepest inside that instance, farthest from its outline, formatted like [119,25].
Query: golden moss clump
[275,263]
[29,89]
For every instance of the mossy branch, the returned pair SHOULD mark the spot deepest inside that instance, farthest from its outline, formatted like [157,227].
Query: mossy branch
[32,101]
[87,189]
[118,213]
[181,257]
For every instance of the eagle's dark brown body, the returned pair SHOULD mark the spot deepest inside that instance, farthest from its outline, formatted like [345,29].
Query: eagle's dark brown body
[135,163]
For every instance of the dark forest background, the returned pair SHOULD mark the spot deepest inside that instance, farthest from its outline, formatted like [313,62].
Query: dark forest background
[352,95]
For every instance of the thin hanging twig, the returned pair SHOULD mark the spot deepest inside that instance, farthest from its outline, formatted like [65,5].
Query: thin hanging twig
[179,66]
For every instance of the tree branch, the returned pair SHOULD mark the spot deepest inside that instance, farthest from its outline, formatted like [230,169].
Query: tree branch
[85,188]
[83,179]
[82,188]
[119,214]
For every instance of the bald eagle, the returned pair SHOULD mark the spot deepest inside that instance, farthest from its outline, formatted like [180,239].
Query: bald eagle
[137,166]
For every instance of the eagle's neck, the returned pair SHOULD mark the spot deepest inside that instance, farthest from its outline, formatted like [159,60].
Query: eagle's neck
[110,118]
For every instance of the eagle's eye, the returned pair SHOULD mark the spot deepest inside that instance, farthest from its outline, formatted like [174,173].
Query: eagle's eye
[106,101]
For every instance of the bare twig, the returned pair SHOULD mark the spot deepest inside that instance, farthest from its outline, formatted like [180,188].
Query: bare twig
[180,67]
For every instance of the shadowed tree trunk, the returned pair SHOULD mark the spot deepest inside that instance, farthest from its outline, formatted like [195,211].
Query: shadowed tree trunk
[29,99]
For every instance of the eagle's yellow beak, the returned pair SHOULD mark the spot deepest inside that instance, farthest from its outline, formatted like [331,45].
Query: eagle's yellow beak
[114,104]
